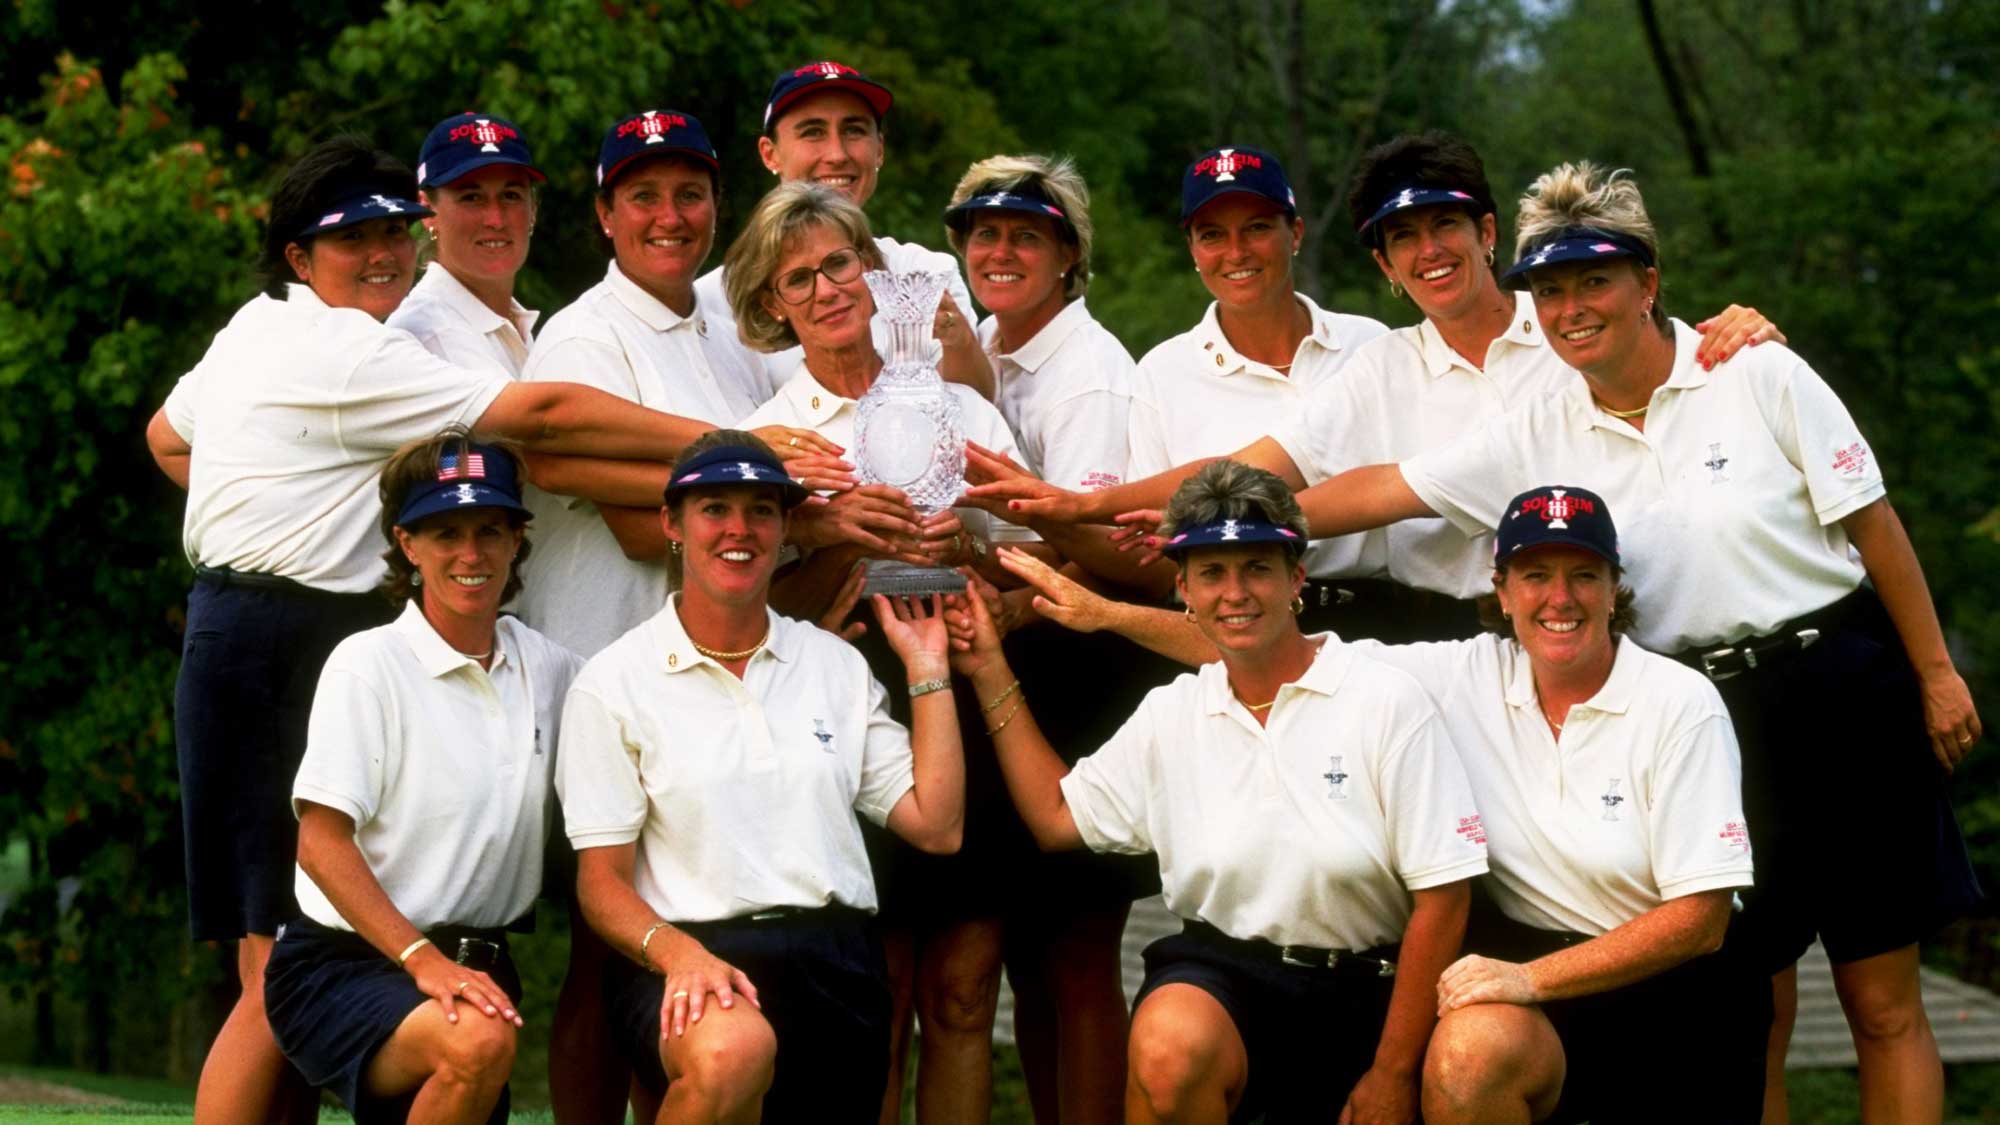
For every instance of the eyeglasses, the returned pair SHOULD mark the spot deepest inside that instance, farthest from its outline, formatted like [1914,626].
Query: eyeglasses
[795,287]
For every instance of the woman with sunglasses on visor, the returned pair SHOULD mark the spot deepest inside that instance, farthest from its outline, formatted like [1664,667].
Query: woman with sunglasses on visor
[279,434]
[715,760]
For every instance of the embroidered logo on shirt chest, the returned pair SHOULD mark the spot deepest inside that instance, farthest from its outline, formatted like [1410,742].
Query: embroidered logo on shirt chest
[824,735]
[1715,463]
[1612,800]
[1336,778]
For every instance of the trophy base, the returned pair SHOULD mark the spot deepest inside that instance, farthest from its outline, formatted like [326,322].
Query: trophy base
[892,579]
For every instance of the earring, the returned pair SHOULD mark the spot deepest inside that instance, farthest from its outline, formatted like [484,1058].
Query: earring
[607,232]
[674,545]
[1395,289]
[1298,604]
[416,578]
[1489,255]
[1190,614]
[1646,310]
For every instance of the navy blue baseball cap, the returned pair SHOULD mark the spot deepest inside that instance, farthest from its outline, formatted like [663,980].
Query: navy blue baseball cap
[483,478]
[1230,533]
[653,132]
[825,75]
[1556,515]
[736,465]
[1026,199]
[1404,198]
[466,142]
[1575,244]
[1220,171]
[360,206]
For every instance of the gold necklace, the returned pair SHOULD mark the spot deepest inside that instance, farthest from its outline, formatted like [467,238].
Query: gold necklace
[1624,413]
[1255,707]
[731,657]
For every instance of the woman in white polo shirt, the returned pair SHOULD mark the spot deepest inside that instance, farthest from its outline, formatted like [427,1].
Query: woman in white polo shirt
[476,174]
[423,802]
[279,434]
[795,278]
[1314,827]
[1753,509]
[714,762]
[1022,226]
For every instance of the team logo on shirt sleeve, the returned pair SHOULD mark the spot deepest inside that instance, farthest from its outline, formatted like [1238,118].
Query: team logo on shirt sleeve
[1852,461]
[1612,800]
[1735,837]
[1471,830]
[1336,778]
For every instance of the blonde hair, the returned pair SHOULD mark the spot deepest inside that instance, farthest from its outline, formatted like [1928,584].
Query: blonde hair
[1057,178]
[779,222]
[1585,195]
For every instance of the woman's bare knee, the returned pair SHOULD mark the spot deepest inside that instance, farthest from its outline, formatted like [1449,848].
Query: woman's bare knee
[1882,996]
[728,1057]
[477,1050]
[1491,1062]
[1184,1049]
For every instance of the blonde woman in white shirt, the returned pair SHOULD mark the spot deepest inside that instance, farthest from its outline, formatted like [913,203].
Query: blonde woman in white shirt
[716,758]
[1314,827]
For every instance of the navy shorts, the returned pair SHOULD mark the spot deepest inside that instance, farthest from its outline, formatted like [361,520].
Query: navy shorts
[1310,1034]
[333,1000]
[1850,816]
[824,989]
[1686,1045]
[250,663]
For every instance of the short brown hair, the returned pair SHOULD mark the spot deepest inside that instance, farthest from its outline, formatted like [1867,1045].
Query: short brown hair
[1225,489]
[418,463]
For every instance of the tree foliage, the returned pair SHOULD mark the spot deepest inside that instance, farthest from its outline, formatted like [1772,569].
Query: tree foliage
[1835,165]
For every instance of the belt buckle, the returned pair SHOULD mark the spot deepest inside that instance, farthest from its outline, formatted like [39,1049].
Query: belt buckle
[1806,637]
[1711,663]
[472,950]
[1385,967]
[770,915]
[1296,955]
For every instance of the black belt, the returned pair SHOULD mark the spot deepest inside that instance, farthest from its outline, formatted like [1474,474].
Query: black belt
[475,947]
[1324,593]
[783,916]
[222,577]
[1377,962]
[1752,653]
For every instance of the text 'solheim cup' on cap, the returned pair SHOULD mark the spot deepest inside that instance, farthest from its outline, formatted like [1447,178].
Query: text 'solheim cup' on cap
[466,142]
[484,478]
[653,132]
[1556,515]
[1218,172]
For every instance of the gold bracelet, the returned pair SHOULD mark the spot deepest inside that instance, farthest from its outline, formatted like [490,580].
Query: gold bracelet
[648,940]
[989,708]
[403,958]
[1002,725]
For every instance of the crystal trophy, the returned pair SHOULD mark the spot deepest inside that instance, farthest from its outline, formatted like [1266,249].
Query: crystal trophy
[907,430]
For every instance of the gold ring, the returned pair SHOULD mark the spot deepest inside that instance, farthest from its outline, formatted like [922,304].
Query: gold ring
[462,986]
[681,995]
[794,443]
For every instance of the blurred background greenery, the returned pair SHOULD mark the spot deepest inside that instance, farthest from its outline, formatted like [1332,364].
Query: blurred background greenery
[1835,163]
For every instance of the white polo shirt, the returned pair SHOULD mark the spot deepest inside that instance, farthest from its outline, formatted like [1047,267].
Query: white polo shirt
[804,403]
[899,257]
[453,324]
[1407,392]
[741,794]
[1309,831]
[1067,395]
[292,414]
[1640,801]
[1195,396]
[1727,504]
[580,588]
[443,765]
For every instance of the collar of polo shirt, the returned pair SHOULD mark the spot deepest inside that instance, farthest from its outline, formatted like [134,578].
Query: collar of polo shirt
[813,403]
[644,305]
[1614,697]
[1031,356]
[434,654]
[1215,343]
[1686,375]
[450,290]
[677,651]
[1322,677]
[1440,357]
